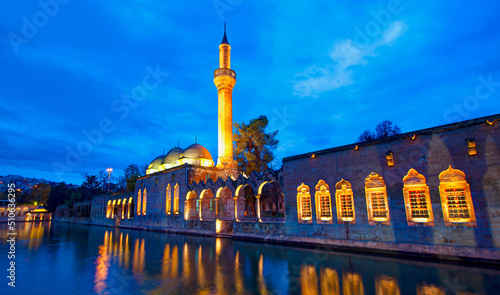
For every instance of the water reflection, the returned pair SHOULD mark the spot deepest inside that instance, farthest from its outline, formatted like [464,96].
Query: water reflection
[430,290]
[385,285]
[30,232]
[129,262]
[329,281]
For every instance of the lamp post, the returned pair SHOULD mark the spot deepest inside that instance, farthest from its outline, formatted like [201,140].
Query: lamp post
[109,170]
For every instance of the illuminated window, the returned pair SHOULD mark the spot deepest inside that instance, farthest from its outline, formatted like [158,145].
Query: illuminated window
[417,199]
[303,203]
[168,200]
[109,210]
[471,145]
[345,202]
[323,202]
[156,181]
[456,198]
[376,200]
[144,201]
[139,202]
[176,199]
[390,158]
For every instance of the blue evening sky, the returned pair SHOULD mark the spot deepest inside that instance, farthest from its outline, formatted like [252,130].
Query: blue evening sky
[321,71]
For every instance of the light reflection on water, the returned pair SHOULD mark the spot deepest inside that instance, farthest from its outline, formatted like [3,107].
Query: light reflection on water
[65,258]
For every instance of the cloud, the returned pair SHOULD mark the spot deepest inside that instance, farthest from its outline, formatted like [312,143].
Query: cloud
[344,55]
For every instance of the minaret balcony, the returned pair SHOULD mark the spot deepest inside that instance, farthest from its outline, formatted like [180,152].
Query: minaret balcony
[225,72]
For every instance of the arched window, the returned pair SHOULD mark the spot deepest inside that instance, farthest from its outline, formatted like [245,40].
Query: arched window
[323,203]
[124,208]
[205,205]
[139,202]
[345,202]
[376,200]
[303,204]
[130,207]
[168,200]
[113,209]
[108,210]
[144,201]
[456,199]
[191,206]
[176,199]
[417,199]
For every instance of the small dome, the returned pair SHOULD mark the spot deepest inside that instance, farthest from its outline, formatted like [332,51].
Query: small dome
[196,151]
[156,163]
[172,156]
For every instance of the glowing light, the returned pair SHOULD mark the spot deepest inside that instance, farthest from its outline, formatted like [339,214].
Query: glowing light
[417,199]
[390,158]
[376,199]
[456,199]
[471,145]
[323,202]
[304,203]
[218,225]
[345,202]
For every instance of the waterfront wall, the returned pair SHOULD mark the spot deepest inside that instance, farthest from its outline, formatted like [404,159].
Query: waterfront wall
[360,197]
[430,152]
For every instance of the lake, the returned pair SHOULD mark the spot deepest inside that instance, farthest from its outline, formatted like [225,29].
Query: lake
[60,258]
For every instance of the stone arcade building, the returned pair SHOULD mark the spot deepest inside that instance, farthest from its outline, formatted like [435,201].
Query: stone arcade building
[433,192]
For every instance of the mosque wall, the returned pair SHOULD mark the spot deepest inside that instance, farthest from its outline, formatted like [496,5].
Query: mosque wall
[434,187]
[433,192]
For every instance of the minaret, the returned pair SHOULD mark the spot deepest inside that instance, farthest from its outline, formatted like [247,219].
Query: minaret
[224,79]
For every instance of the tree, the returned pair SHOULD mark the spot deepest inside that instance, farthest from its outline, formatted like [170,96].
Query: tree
[39,194]
[367,135]
[383,129]
[253,146]
[92,184]
[130,175]
[57,196]
[75,196]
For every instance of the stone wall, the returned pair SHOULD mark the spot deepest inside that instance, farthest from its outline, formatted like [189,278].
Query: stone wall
[429,152]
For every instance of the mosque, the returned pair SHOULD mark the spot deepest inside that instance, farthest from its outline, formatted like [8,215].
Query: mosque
[196,154]
[432,192]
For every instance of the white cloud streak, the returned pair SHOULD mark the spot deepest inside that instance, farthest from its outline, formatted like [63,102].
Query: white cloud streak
[344,55]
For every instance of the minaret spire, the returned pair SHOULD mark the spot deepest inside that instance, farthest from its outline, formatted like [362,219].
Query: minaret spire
[224,39]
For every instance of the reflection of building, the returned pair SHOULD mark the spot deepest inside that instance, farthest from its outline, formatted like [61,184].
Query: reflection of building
[24,213]
[432,191]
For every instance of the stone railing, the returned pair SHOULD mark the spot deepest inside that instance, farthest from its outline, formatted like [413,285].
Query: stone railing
[225,72]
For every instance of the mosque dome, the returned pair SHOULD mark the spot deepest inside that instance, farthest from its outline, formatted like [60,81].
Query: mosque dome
[156,163]
[196,154]
[196,151]
[172,156]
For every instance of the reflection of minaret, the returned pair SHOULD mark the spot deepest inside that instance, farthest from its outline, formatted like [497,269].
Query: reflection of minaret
[224,79]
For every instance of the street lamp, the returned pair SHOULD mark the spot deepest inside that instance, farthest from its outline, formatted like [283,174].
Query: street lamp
[109,170]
